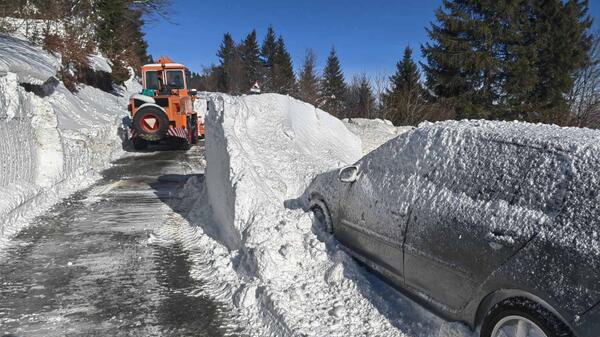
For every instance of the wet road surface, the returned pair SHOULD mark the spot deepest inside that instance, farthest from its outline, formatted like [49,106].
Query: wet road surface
[95,266]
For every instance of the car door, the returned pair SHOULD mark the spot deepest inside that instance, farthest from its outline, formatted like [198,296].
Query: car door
[471,217]
[373,216]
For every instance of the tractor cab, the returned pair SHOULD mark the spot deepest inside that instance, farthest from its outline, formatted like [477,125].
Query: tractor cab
[164,108]
[166,78]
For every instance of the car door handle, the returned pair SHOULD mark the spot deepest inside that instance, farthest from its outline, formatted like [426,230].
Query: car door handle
[500,238]
[400,214]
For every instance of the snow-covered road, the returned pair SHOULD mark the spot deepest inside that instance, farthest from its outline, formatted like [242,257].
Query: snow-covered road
[110,261]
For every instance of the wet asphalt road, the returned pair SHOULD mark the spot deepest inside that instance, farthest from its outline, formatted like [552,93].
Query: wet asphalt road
[95,266]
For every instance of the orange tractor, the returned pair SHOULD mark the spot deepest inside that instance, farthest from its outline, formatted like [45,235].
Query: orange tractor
[164,109]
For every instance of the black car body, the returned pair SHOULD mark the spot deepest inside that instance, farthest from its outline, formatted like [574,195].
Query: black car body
[467,215]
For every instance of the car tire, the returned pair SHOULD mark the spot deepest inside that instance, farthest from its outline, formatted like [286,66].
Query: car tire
[506,315]
[322,215]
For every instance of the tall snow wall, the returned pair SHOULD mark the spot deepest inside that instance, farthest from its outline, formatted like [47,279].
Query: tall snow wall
[292,279]
[52,142]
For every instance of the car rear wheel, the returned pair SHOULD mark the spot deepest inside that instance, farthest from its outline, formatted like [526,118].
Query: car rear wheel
[519,317]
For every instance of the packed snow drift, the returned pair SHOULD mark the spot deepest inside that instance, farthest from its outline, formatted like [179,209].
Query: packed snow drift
[285,275]
[52,141]
[374,132]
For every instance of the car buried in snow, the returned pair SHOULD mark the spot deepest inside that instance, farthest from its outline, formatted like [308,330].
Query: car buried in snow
[495,224]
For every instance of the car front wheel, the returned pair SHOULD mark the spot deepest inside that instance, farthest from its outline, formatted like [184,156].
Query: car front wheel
[519,317]
[322,215]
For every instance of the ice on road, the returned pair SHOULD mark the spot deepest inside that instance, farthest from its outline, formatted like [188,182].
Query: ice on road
[105,261]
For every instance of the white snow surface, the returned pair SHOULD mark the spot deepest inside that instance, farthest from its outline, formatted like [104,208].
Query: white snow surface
[99,63]
[276,265]
[30,63]
[52,144]
[374,132]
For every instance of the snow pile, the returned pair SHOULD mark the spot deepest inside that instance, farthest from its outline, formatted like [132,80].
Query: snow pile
[28,63]
[99,63]
[32,29]
[374,132]
[283,273]
[51,140]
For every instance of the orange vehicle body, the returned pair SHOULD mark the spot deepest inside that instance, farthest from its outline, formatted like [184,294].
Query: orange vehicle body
[166,93]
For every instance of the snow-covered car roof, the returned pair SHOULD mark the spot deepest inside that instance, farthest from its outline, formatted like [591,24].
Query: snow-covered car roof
[569,139]
[550,173]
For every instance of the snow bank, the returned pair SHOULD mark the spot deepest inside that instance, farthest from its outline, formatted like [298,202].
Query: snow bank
[278,144]
[99,63]
[29,63]
[374,132]
[52,142]
[283,272]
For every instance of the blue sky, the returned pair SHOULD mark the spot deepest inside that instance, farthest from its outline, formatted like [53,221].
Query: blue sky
[369,36]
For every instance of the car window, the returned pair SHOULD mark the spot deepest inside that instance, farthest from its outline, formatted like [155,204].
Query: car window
[152,79]
[545,186]
[175,79]
[479,168]
[378,159]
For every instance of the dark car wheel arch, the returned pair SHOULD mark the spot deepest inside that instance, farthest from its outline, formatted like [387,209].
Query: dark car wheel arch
[317,204]
[522,307]
[492,300]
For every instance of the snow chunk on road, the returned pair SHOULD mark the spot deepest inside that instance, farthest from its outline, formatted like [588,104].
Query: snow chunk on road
[262,152]
[51,144]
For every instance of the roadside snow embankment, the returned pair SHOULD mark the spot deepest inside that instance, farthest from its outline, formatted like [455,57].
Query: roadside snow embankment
[52,141]
[287,276]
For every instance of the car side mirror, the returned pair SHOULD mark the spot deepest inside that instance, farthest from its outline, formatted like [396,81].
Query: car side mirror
[193,92]
[349,174]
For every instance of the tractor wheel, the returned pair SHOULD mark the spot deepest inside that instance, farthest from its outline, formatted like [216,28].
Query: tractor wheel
[151,123]
[194,129]
[186,143]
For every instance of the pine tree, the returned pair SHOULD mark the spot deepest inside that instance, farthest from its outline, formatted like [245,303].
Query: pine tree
[404,101]
[118,31]
[491,60]
[407,74]
[308,82]
[230,68]
[250,57]
[360,99]
[562,42]
[333,86]
[283,79]
[268,51]
[456,58]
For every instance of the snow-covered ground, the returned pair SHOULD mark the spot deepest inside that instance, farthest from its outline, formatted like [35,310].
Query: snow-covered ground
[374,132]
[52,141]
[272,260]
